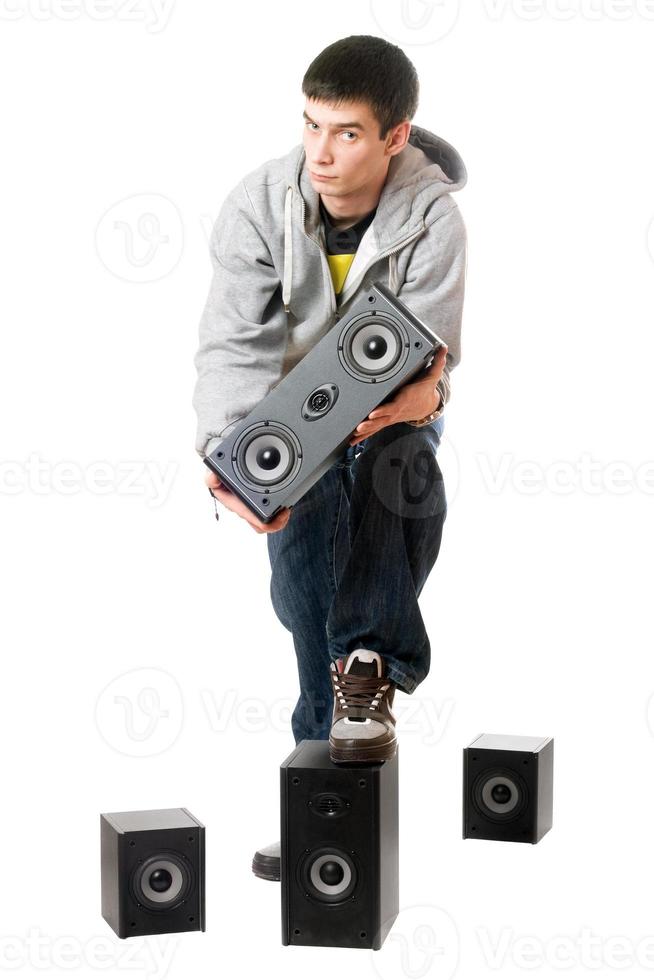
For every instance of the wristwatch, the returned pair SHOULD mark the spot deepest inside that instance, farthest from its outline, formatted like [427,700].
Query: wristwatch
[436,414]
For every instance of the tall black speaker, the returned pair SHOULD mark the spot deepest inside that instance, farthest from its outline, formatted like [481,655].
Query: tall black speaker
[276,453]
[339,849]
[507,787]
[152,864]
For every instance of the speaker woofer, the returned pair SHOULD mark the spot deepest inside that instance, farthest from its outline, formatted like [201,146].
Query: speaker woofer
[162,881]
[499,794]
[267,456]
[328,874]
[373,346]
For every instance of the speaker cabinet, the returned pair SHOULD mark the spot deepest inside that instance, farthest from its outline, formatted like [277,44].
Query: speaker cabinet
[339,849]
[507,787]
[304,424]
[152,864]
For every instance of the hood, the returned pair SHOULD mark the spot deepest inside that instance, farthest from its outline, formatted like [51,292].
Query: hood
[427,168]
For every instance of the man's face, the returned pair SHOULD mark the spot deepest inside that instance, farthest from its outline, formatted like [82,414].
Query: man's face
[343,144]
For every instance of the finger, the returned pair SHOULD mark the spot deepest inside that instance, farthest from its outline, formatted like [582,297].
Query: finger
[374,423]
[381,413]
[211,479]
[365,435]
[278,522]
[223,494]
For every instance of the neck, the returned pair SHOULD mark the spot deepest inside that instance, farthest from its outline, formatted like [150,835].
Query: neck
[346,210]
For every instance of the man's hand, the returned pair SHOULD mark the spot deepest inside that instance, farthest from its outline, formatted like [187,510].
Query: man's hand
[235,504]
[412,401]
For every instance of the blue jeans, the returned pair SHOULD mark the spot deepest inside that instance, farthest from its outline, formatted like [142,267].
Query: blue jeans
[348,568]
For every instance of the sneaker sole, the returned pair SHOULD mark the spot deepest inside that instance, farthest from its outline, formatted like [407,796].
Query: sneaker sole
[268,870]
[380,753]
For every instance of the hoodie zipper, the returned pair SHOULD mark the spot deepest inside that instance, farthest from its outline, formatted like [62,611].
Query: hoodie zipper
[376,258]
[384,255]
[323,258]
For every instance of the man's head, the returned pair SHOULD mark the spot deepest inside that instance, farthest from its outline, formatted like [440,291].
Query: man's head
[361,94]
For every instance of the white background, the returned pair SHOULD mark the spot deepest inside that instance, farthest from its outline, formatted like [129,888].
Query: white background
[143,664]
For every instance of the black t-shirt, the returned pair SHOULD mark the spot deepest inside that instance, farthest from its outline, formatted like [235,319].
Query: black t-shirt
[342,244]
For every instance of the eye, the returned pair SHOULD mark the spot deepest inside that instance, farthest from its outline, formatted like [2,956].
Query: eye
[311,124]
[350,133]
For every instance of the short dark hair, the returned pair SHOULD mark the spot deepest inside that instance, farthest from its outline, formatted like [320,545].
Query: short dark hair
[365,68]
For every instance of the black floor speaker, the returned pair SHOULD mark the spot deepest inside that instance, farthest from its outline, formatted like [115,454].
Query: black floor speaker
[273,456]
[152,866]
[339,849]
[507,787]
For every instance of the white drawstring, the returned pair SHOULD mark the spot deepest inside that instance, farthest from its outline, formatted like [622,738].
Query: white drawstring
[392,272]
[288,249]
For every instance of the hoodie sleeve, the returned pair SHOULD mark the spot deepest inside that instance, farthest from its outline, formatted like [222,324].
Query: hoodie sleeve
[434,285]
[243,329]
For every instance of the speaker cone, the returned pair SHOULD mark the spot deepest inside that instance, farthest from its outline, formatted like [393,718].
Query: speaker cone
[162,881]
[267,456]
[329,874]
[499,794]
[373,346]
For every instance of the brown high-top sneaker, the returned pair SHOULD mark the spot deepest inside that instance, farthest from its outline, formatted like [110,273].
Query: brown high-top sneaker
[363,725]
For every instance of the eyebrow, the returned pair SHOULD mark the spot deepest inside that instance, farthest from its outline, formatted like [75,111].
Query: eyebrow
[345,125]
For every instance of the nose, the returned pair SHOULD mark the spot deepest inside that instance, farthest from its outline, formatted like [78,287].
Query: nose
[321,152]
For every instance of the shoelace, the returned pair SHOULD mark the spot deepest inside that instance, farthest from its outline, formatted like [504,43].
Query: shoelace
[356,691]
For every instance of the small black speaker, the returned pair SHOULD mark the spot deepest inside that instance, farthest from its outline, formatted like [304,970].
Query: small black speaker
[152,864]
[507,787]
[276,453]
[339,849]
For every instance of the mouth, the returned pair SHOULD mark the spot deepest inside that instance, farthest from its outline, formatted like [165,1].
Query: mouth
[320,176]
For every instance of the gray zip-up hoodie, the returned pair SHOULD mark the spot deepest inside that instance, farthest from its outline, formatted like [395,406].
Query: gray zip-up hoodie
[272,298]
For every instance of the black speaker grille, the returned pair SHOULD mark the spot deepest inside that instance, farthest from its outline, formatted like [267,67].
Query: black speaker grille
[329,805]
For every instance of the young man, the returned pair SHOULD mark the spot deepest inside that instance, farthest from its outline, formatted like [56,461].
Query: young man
[366,196]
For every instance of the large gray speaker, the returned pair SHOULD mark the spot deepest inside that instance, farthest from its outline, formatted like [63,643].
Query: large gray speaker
[303,425]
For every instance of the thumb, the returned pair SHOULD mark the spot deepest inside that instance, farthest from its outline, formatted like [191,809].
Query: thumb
[212,480]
